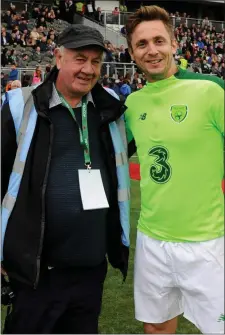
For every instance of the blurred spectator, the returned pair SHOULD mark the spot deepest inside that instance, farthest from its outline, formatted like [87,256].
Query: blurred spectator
[16,84]
[79,7]
[42,44]
[89,8]
[222,70]
[3,82]
[123,30]
[98,15]
[37,77]
[51,16]
[5,39]
[24,15]
[215,70]
[37,56]
[125,89]
[47,70]
[34,35]
[13,74]
[116,11]
[23,61]
[8,86]
[205,67]
[23,26]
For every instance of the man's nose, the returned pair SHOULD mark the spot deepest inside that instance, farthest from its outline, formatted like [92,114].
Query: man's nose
[152,49]
[88,68]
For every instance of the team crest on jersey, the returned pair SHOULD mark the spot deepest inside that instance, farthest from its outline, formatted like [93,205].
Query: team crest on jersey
[178,112]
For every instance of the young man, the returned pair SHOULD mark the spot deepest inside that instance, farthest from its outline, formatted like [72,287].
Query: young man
[177,122]
[65,206]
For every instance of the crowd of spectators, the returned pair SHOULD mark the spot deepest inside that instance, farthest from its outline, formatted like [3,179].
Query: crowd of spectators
[29,38]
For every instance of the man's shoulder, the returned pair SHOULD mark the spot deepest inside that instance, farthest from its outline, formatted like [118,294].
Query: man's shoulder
[186,75]
[134,97]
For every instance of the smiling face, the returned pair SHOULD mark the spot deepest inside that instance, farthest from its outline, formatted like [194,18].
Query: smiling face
[152,48]
[79,70]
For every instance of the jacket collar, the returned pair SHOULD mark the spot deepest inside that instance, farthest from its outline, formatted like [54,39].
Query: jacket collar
[106,105]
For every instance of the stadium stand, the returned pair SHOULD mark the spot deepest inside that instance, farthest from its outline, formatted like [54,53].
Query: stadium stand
[29,37]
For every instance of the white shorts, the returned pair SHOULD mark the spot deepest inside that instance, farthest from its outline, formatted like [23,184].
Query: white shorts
[175,278]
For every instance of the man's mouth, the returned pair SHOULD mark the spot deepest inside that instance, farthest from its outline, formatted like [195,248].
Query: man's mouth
[84,79]
[155,61]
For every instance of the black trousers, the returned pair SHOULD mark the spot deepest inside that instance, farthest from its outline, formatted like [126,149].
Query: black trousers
[65,302]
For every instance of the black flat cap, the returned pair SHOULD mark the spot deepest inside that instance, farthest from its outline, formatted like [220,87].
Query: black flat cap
[78,36]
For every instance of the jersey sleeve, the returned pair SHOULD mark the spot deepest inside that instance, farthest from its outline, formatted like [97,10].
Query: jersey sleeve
[217,107]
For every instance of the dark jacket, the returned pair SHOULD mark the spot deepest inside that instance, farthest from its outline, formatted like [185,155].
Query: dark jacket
[25,230]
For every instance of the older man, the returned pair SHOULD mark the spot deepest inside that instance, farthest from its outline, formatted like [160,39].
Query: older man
[66,202]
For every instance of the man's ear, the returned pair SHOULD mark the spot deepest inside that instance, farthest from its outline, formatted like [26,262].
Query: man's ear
[58,58]
[174,46]
[131,52]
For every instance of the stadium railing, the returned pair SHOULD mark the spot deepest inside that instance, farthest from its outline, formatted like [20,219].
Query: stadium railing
[121,19]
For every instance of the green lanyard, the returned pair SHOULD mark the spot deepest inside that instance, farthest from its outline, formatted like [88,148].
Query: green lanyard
[84,138]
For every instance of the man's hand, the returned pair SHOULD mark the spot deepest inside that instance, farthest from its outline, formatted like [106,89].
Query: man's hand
[3,272]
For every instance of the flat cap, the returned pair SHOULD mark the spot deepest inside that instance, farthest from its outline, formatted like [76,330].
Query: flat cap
[78,35]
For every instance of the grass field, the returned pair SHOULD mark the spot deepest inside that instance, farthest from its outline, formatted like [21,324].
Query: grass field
[117,315]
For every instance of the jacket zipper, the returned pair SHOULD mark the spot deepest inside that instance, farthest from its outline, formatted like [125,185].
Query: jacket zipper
[38,259]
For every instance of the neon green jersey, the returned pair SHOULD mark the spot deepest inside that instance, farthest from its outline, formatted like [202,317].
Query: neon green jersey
[178,127]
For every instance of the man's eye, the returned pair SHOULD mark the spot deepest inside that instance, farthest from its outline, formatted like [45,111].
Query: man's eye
[141,44]
[96,61]
[159,41]
[80,60]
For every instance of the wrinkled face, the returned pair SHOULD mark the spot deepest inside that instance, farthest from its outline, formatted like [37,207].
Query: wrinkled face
[79,69]
[153,49]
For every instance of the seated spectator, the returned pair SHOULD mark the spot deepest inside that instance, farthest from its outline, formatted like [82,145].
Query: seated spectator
[15,84]
[35,13]
[37,57]
[5,39]
[13,40]
[24,15]
[30,42]
[98,15]
[13,74]
[23,26]
[41,22]
[7,19]
[205,67]
[12,58]
[22,41]
[51,16]
[14,21]
[23,61]
[34,35]
[43,44]
[216,70]
[222,70]
[37,77]
[200,43]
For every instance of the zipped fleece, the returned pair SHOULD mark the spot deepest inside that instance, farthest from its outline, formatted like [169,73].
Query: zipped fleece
[26,227]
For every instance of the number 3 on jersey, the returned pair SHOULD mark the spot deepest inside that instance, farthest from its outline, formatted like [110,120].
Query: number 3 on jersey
[160,170]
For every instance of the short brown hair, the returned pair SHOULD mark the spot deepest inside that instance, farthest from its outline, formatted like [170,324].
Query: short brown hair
[148,13]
